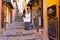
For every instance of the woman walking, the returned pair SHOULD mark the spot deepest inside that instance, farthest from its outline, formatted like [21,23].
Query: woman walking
[27,19]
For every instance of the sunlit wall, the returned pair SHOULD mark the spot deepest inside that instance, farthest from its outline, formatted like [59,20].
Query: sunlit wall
[13,10]
[0,9]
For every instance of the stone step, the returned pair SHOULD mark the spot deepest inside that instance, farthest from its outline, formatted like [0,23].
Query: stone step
[19,19]
[16,32]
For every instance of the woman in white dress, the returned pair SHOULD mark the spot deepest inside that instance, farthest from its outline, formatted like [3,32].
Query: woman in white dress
[27,20]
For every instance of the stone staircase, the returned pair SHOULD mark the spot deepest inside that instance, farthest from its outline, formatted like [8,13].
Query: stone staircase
[19,18]
[16,31]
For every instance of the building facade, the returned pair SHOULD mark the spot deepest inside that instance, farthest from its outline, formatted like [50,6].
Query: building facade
[6,13]
[48,17]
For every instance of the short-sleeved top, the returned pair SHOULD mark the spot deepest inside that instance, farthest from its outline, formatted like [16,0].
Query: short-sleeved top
[27,17]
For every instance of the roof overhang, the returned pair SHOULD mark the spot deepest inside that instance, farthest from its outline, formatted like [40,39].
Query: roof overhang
[10,5]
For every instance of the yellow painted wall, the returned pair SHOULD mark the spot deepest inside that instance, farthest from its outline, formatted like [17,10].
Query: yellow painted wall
[6,12]
[40,3]
[50,3]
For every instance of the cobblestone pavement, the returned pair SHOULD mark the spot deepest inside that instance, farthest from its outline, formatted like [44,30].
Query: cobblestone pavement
[15,31]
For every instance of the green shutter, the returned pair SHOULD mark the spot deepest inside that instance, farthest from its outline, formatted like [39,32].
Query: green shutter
[8,0]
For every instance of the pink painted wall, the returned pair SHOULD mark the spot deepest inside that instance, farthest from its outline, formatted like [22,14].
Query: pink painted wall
[0,9]
[13,10]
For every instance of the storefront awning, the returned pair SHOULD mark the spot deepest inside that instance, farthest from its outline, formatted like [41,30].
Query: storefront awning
[10,5]
[8,2]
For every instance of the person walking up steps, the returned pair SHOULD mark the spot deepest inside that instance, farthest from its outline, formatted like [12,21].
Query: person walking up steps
[27,19]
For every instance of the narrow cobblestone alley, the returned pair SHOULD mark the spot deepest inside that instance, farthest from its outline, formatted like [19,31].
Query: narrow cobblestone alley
[15,31]
[29,20]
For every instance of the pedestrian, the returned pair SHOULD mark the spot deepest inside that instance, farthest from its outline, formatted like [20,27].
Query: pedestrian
[27,19]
